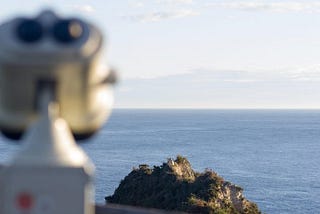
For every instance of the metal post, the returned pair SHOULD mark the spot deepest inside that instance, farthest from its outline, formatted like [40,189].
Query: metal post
[51,174]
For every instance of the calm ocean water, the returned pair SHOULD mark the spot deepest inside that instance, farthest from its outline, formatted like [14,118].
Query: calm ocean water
[273,154]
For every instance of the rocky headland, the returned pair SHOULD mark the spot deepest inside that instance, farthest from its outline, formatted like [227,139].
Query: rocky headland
[176,186]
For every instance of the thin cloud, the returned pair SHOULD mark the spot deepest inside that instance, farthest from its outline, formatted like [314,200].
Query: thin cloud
[159,16]
[136,4]
[308,73]
[139,4]
[86,8]
[203,75]
[176,1]
[224,89]
[278,7]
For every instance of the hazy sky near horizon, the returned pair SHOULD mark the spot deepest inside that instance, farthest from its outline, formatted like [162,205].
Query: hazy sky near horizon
[204,53]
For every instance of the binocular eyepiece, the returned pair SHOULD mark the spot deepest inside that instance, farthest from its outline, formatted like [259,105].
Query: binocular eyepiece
[63,31]
[61,51]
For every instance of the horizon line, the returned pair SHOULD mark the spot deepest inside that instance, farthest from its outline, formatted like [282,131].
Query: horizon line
[207,108]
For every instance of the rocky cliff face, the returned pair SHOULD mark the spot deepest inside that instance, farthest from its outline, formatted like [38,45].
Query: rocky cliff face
[176,186]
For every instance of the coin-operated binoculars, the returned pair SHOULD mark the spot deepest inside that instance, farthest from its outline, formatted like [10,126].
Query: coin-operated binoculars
[50,91]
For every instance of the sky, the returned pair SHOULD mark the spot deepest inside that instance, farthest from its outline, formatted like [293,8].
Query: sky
[203,53]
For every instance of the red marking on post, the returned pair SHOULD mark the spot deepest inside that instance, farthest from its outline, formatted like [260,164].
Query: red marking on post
[25,201]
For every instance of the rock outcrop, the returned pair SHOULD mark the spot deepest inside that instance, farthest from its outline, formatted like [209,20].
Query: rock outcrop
[176,186]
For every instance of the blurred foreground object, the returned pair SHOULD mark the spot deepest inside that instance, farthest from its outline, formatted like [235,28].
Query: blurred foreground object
[50,87]
[61,51]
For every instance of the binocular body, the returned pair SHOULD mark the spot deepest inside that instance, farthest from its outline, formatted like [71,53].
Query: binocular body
[62,53]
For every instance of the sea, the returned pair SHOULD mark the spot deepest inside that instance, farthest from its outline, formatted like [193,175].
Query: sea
[274,155]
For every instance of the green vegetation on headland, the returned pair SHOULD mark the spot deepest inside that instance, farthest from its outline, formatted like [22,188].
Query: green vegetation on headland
[176,186]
